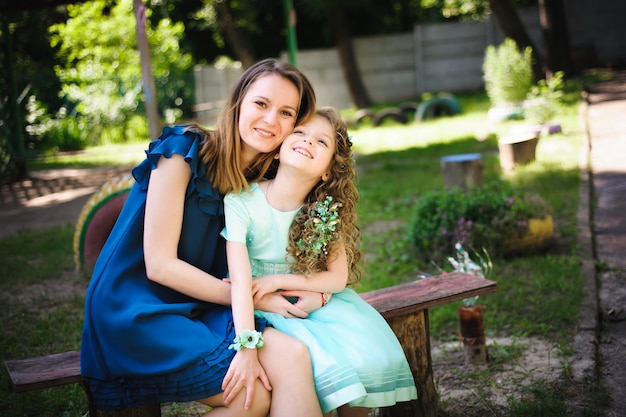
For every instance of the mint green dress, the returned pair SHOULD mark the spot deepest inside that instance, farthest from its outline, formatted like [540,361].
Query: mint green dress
[357,359]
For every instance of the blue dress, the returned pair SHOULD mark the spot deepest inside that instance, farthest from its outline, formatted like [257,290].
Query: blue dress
[356,357]
[143,342]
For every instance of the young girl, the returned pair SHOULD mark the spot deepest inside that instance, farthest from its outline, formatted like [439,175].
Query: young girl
[298,231]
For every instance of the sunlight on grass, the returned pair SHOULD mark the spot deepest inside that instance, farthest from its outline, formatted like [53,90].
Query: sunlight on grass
[416,134]
[106,155]
[398,163]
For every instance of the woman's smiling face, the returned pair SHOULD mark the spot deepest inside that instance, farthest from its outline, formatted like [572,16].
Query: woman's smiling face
[267,115]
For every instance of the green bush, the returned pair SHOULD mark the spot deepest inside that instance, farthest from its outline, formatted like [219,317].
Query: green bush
[544,99]
[46,133]
[480,218]
[507,73]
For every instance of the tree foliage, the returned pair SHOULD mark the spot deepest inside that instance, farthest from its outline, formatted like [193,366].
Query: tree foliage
[97,77]
[101,71]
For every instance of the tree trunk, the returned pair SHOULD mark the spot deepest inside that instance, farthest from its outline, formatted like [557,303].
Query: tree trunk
[149,89]
[242,47]
[555,36]
[513,28]
[15,124]
[351,72]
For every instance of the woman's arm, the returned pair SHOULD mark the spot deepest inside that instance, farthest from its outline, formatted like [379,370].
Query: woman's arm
[162,228]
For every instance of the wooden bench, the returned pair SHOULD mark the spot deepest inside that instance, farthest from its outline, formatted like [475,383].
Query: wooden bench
[404,306]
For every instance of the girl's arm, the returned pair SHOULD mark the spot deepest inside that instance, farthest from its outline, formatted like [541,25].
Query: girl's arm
[162,228]
[248,367]
[333,280]
[241,283]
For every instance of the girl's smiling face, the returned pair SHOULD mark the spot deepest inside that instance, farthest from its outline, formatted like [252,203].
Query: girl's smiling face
[311,146]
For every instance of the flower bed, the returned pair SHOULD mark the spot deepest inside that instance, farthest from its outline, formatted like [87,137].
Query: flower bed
[483,217]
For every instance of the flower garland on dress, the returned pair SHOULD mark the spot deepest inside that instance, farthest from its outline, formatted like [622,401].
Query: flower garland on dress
[320,227]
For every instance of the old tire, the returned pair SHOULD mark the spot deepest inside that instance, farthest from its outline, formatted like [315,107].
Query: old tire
[96,220]
[394,114]
[437,107]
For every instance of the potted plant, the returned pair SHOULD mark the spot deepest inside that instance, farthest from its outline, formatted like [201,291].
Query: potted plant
[472,332]
[543,101]
[508,77]
[497,216]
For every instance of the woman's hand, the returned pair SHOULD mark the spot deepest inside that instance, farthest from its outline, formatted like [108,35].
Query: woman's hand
[275,303]
[243,372]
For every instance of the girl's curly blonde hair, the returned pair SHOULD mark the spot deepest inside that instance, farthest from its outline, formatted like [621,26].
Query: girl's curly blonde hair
[341,186]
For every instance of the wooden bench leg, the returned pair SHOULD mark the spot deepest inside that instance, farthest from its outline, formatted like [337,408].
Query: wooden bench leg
[414,335]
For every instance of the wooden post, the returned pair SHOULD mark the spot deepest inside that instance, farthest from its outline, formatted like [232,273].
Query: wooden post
[517,149]
[413,333]
[463,170]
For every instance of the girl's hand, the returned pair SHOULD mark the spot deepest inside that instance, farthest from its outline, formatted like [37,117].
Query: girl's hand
[265,285]
[308,301]
[243,372]
[276,303]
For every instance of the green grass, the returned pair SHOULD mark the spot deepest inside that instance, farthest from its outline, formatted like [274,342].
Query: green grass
[539,295]
[42,314]
[97,156]
[391,181]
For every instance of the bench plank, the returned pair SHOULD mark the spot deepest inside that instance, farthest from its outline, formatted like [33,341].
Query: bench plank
[410,297]
[44,371]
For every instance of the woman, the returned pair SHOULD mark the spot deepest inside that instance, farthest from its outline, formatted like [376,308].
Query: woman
[157,317]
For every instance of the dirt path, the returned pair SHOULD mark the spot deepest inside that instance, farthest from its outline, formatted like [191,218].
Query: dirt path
[50,198]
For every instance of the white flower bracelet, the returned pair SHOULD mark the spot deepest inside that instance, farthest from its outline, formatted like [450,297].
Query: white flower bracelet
[249,339]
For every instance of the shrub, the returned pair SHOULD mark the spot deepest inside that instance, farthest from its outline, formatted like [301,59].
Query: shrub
[480,218]
[507,73]
[543,100]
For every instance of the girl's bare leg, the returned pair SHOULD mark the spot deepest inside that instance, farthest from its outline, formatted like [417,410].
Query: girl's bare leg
[288,366]
[260,406]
